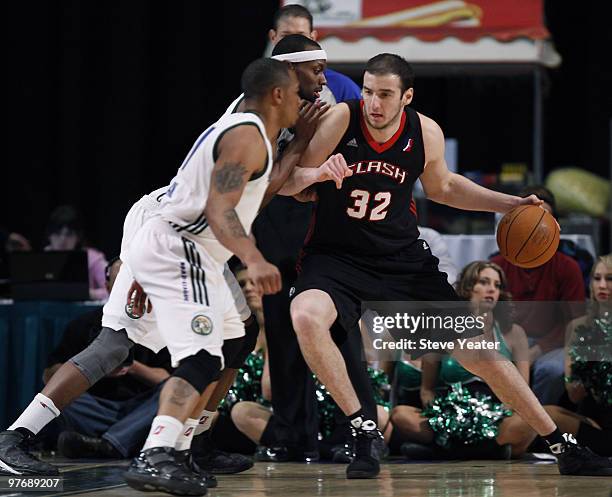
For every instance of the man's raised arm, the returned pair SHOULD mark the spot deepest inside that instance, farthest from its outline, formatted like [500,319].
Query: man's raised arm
[452,189]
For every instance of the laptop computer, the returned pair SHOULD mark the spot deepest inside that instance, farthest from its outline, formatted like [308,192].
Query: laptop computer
[58,275]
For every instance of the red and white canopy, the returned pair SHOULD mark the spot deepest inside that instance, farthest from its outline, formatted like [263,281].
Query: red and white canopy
[433,31]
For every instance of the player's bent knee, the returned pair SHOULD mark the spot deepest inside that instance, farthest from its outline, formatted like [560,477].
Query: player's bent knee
[305,319]
[312,309]
[199,370]
[105,354]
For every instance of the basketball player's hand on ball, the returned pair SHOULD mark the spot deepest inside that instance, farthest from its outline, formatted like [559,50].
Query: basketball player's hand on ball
[531,200]
[534,200]
[307,123]
[334,169]
[265,276]
[137,301]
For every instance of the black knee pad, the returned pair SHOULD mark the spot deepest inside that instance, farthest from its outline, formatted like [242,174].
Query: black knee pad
[236,350]
[199,370]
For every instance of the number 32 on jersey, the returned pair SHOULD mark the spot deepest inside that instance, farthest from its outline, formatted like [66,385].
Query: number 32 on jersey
[361,205]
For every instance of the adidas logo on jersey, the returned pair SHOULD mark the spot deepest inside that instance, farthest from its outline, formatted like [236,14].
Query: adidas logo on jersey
[352,143]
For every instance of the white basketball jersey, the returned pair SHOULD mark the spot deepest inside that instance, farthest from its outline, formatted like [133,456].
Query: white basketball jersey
[184,202]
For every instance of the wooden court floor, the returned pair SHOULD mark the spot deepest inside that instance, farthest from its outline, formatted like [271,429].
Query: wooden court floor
[397,479]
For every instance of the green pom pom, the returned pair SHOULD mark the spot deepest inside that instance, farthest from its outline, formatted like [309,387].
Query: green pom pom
[459,418]
[591,354]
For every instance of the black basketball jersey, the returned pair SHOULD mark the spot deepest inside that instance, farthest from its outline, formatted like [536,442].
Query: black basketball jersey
[374,212]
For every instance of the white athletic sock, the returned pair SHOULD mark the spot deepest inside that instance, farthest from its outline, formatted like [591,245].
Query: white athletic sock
[164,432]
[37,415]
[183,442]
[205,422]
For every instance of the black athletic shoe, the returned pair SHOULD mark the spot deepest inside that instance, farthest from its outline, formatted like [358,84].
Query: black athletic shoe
[264,453]
[186,457]
[282,453]
[16,460]
[157,469]
[573,459]
[382,451]
[218,462]
[74,445]
[343,453]
[365,464]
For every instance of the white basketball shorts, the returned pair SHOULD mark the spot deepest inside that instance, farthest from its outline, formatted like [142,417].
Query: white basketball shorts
[144,330]
[193,307]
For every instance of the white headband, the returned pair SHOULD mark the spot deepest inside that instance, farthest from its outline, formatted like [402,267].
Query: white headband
[305,56]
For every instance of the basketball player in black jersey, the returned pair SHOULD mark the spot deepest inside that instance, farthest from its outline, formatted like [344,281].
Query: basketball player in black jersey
[364,245]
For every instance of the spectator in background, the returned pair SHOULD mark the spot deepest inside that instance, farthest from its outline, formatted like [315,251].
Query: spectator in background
[438,248]
[484,285]
[295,19]
[112,419]
[597,430]
[559,280]
[65,231]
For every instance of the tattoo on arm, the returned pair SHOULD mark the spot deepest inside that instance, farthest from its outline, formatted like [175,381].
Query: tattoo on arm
[229,177]
[233,224]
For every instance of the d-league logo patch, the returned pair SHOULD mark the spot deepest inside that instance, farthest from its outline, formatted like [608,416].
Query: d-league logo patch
[408,146]
[202,325]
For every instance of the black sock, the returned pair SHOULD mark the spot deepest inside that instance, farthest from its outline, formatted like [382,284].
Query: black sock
[359,421]
[25,432]
[554,438]
[599,441]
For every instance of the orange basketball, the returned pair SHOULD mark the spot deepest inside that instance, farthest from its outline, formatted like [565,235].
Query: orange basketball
[528,236]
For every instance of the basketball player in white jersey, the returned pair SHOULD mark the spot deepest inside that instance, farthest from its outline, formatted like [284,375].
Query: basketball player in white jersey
[219,188]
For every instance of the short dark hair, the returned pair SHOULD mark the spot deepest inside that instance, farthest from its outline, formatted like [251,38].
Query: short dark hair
[292,10]
[262,75]
[65,216]
[295,43]
[388,63]
[542,193]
